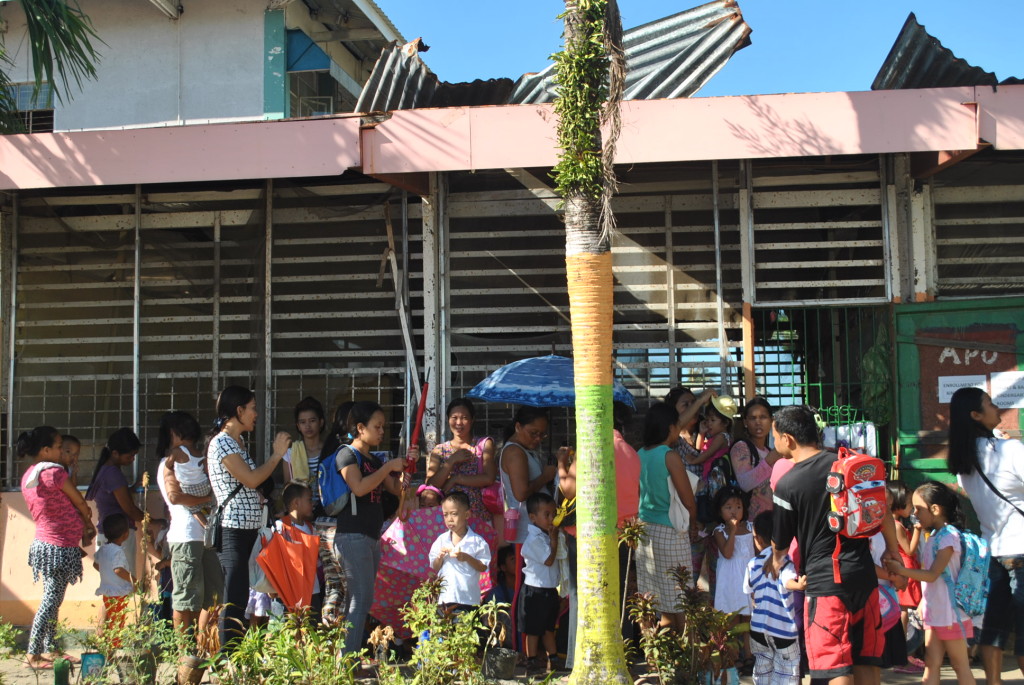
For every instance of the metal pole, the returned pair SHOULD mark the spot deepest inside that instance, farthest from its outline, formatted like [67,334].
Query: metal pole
[723,346]
[268,367]
[216,303]
[887,260]
[409,370]
[137,323]
[670,277]
[444,362]
[11,333]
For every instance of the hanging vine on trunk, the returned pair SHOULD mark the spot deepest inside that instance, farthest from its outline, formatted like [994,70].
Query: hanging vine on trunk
[591,73]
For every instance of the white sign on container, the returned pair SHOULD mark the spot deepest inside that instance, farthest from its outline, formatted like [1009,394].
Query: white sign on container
[1008,389]
[950,384]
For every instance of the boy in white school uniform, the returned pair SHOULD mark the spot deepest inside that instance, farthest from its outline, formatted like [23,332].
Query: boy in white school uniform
[459,556]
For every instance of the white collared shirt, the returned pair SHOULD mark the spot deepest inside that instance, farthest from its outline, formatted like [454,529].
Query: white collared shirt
[536,550]
[461,581]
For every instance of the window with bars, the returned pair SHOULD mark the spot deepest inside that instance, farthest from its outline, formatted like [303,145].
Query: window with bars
[34,106]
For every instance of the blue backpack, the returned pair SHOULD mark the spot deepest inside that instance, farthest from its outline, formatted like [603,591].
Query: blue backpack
[970,589]
[334,490]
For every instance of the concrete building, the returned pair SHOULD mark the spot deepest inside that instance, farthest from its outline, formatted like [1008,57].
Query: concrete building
[173,62]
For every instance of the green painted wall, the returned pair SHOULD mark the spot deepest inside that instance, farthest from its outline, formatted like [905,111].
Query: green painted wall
[275,75]
[922,419]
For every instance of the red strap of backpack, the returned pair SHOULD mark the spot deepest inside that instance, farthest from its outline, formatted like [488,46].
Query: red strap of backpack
[835,559]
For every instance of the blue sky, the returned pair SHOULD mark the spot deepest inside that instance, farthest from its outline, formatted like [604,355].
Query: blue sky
[798,45]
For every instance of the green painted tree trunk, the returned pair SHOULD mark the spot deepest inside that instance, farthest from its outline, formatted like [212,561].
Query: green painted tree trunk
[583,180]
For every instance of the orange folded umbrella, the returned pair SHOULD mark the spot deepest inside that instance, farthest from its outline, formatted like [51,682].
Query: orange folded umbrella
[289,561]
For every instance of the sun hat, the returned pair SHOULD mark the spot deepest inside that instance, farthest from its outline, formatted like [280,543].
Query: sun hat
[726,406]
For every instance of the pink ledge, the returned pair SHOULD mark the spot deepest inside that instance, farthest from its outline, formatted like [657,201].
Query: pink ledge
[214,152]
[747,127]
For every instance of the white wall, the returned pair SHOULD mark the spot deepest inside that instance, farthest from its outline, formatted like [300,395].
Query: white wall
[207,65]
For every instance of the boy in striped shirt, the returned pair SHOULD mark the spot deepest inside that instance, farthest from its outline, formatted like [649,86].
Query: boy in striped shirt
[773,626]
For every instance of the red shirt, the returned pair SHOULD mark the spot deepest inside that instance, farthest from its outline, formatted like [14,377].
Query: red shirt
[57,519]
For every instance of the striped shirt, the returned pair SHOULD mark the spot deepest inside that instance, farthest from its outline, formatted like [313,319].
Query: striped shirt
[774,612]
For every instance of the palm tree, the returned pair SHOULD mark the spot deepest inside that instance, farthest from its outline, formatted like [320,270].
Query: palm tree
[60,42]
[590,72]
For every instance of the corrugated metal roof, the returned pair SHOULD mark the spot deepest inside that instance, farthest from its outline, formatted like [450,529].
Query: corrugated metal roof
[671,57]
[666,58]
[918,60]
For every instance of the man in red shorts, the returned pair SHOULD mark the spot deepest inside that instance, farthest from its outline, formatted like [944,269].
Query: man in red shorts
[842,622]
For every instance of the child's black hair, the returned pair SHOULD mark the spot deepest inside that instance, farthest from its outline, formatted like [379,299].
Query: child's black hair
[659,420]
[763,525]
[534,501]
[114,526]
[309,404]
[71,438]
[897,491]
[934,492]
[503,554]
[724,494]
[292,492]
[458,497]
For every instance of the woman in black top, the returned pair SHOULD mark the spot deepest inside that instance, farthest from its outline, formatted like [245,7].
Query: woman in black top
[358,532]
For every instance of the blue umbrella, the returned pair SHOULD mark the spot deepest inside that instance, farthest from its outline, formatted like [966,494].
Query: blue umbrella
[539,382]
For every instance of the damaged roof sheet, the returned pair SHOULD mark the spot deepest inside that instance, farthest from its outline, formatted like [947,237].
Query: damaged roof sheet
[918,60]
[667,58]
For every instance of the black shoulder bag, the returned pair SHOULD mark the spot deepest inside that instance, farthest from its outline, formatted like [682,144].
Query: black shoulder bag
[211,536]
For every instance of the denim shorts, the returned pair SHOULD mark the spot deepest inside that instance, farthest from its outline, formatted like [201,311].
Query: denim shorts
[1004,612]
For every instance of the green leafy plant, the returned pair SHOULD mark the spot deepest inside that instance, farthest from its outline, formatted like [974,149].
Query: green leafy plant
[632,534]
[447,646]
[290,651]
[707,646]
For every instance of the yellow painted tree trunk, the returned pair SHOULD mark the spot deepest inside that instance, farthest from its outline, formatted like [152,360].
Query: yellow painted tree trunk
[583,176]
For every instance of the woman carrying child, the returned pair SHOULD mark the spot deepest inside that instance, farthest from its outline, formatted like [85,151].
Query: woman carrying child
[198,579]
[947,627]
[63,523]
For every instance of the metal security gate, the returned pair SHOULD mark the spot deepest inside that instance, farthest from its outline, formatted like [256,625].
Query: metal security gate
[129,302]
[506,285]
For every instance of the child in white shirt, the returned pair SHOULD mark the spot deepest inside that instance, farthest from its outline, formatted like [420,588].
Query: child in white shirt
[116,582]
[459,556]
[538,600]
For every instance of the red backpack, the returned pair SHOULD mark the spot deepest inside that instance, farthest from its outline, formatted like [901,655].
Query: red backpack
[857,485]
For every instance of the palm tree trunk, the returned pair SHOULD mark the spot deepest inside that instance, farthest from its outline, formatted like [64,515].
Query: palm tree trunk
[585,181]
[599,656]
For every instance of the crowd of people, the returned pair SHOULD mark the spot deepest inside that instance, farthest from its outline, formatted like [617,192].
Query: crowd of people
[737,495]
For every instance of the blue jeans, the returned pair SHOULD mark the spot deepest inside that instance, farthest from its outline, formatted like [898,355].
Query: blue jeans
[1004,611]
[235,548]
[360,558]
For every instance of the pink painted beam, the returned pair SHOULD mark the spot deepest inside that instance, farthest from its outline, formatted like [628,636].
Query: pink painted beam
[1001,116]
[748,127]
[215,152]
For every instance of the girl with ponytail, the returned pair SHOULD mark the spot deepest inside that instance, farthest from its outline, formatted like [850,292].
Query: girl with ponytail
[990,469]
[236,478]
[110,490]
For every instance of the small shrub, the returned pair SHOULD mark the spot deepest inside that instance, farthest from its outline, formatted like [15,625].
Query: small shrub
[708,644]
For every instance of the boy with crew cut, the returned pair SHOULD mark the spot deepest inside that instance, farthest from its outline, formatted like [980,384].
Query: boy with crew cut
[538,600]
[459,556]
[774,631]
[842,622]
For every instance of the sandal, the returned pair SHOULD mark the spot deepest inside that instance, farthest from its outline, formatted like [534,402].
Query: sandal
[41,665]
[71,659]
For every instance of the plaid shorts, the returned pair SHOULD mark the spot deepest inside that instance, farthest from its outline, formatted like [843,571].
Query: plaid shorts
[663,550]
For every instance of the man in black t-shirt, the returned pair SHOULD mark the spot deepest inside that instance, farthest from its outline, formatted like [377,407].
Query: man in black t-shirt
[842,622]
